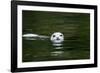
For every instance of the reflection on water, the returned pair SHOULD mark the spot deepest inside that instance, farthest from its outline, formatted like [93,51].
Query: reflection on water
[30,38]
[58,47]
[57,44]
[57,53]
[36,49]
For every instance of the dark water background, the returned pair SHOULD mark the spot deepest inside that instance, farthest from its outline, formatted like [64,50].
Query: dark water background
[74,26]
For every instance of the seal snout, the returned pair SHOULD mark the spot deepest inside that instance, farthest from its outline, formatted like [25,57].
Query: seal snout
[58,38]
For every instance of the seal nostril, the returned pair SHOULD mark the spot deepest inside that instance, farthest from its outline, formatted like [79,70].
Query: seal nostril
[58,38]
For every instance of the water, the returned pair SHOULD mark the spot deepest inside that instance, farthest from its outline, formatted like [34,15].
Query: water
[74,26]
[45,50]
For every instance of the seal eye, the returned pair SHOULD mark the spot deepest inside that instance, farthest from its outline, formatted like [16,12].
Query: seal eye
[60,35]
[53,35]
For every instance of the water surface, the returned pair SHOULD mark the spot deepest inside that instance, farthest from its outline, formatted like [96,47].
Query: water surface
[74,26]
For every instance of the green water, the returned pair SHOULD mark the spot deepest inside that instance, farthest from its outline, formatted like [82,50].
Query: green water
[74,26]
